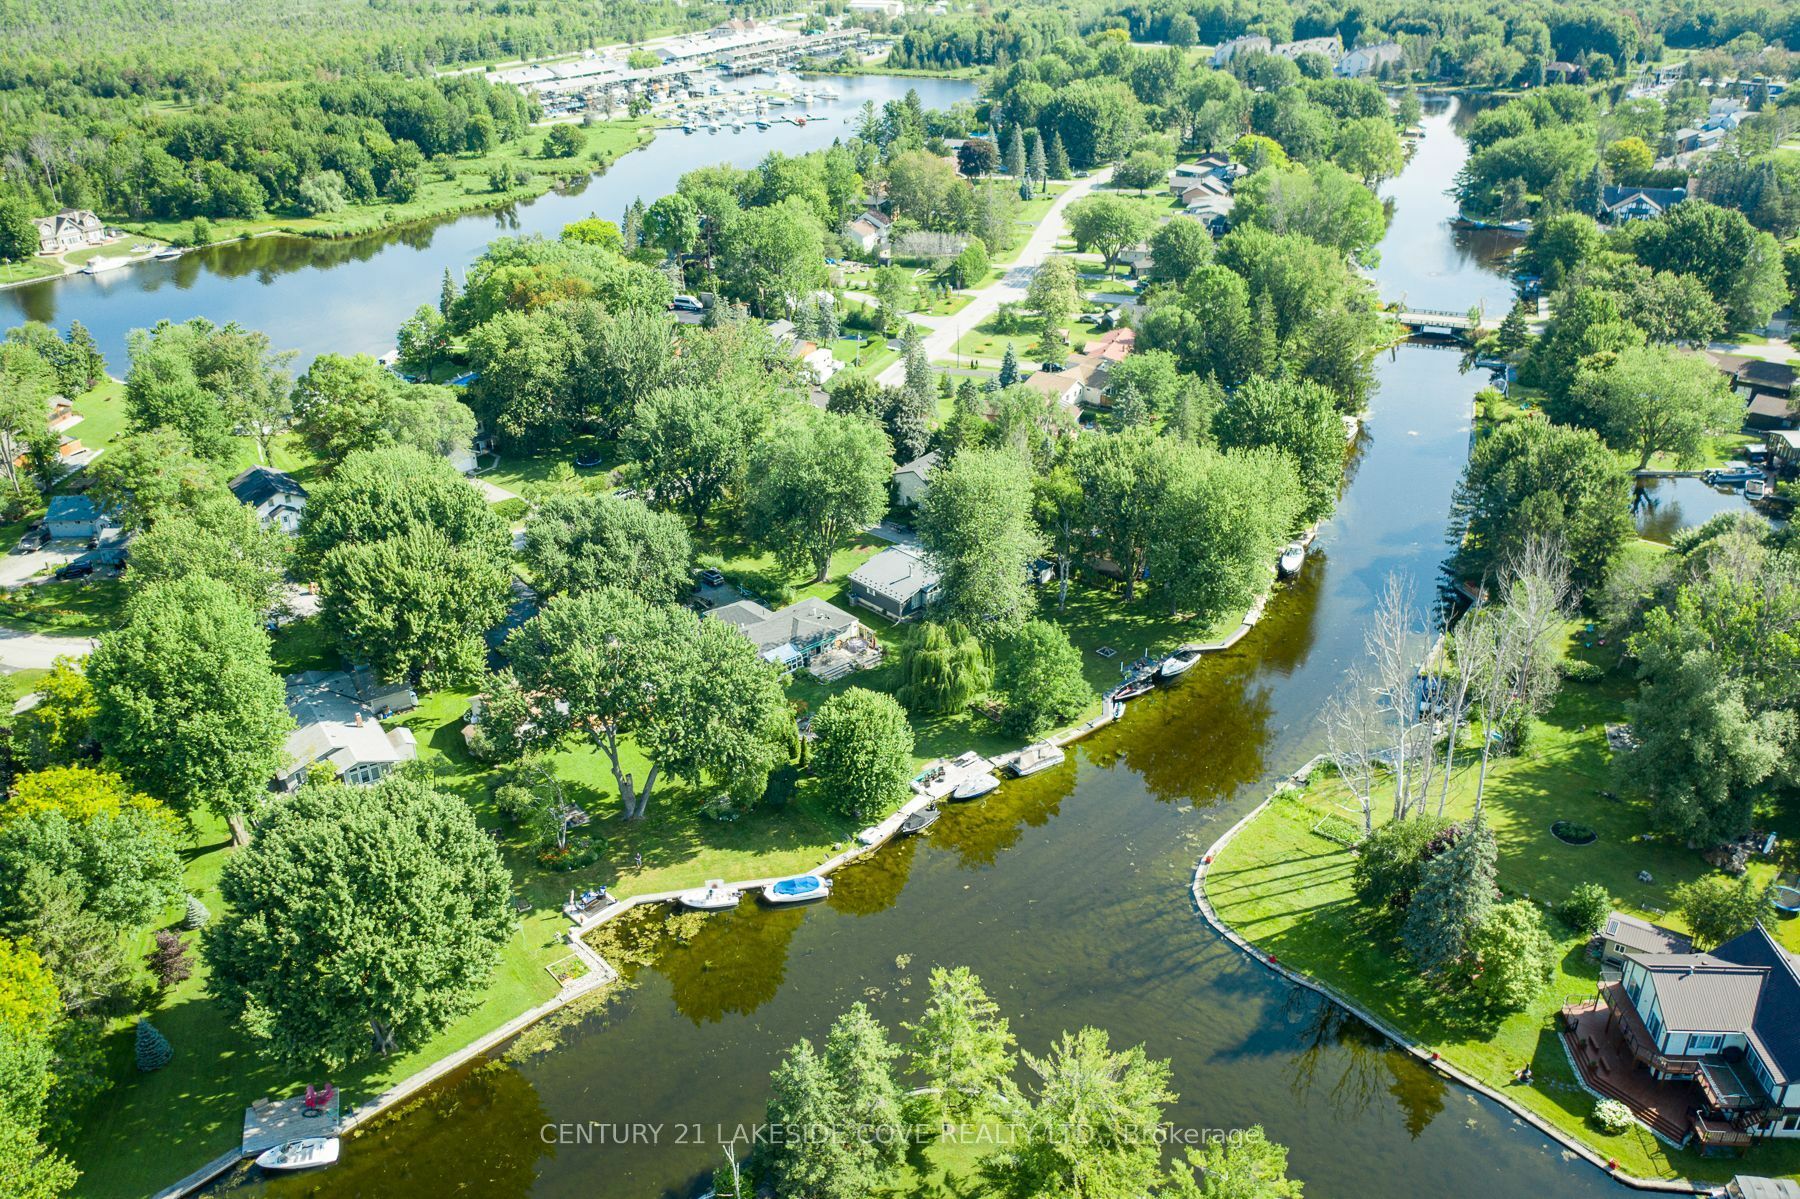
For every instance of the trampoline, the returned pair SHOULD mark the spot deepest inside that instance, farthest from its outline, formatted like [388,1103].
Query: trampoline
[1785,898]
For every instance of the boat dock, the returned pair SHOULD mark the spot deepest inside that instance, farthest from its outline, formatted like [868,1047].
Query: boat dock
[272,1122]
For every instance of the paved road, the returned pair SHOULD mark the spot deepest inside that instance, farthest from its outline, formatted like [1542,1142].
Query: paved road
[36,651]
[1774,350]
[1010,288]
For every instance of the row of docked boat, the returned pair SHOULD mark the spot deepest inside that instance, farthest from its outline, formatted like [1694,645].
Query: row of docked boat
[718,895]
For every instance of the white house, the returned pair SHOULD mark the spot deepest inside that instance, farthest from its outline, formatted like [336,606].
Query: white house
[1368,60]
[1331,47]
[71,229]
[275,496]
[1066,389]
[1252,44]
[885,8]
[869,230]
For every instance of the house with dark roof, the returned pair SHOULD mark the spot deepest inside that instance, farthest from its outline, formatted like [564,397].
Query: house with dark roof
[275,496]
[913,479]
[71,517]
[1700,1045]
[1638,203]
[899,583]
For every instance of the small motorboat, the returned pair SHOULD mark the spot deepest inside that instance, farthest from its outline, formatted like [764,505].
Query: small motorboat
[1756,489]
[920,820]
[975,786]
[802,888]
[1036,757]
[1133,687]
[1292,558]
[303,1154]
[167,254]
[100,264]
[715,896]
[1179,662]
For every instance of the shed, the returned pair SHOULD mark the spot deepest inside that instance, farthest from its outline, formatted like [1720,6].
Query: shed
[72,517]
[899,583]
[913,479]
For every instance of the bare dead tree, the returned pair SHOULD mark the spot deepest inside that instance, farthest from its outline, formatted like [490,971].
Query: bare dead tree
[1354,724]
[1395,643]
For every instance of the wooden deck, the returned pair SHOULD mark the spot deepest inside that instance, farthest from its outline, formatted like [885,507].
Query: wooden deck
[1608,1066]
[278,1121]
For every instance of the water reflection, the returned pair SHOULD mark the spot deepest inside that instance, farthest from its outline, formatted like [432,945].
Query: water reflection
[1664,507]
[978,833]
[733,965]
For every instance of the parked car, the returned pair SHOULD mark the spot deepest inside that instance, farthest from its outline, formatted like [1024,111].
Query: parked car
[75,570]
[712,578]
[686,304]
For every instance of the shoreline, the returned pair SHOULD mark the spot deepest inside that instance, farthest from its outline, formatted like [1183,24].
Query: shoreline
[1419,1053]
[383,225]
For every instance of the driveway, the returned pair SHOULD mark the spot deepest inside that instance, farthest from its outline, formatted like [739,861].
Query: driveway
[36,651]
[1010,288]
[18,570]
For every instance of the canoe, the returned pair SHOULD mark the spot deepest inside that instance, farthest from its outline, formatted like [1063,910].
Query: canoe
[300,1155]
[919,821]
[802,888]
[1033,758]
[1179,662]
[975,786]
[715,896]
[1292,558]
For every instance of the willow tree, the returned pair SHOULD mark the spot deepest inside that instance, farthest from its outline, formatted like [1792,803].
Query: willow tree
[944,668]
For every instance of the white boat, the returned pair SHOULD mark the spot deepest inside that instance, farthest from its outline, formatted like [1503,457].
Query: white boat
[167,254]
[1292,558]
[1033,758]
[802,888]
[300,1155]
[1179,662]
[1755,489]
[975,786]
[715,896]
[101,263]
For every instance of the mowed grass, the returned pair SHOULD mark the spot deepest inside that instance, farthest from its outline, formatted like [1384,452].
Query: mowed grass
[82,608]
[1288,890]
[466,190]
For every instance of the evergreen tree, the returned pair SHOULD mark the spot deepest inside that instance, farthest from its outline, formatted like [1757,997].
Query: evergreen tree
[1024,189]
[89,362]
[1455,895]
[860,1059]
[1037,166]
[1009,367]
[827,321]
[1513,334]
[1015,154]
[1057,159]
[197,915]
[153,1050]
[961,1044]
[446,294]
[631,228]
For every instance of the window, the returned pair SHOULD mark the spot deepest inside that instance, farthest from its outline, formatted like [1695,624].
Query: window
[1653,1023]
[1705,1042]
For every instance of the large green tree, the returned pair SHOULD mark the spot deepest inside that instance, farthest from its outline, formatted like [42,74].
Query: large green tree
[188,702]
[1297,419]
[977,529]
[344,404]
[216,538]
[863,752]
[1108,223]
[359,919]
[118,850]
[1455,897]
[691,694]
[1219,525]
[1040,680]
[1654,400]
[1740,265]
[1324,202]
[816,478]
[961,1044]
[202,380]
[579,542]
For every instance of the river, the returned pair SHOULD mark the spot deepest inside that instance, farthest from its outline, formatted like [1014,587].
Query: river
[1067,893]
[349,296]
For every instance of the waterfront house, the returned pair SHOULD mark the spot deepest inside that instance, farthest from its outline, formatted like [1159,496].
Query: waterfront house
[1623,934]
[1564,72]
[899,583]
[1699,1045]
[337,719]
[71,229]
[797,635]
[1784,449]
[275,496]
[1251,44]
[1331,47]
[1368,60]
[1638,203]
[71,518]
[913,479]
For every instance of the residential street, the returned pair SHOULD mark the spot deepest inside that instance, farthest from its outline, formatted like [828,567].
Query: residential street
[945,331]
[36,651]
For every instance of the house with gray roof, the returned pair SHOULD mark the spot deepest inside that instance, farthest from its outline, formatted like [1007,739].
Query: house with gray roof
[337,719]
[1717,1033]
[793,636]
[1625,934]
[71,517]
[898,582]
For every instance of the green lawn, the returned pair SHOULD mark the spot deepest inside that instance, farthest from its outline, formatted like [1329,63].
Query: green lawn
[1288,890]
[83,608]
[467,189]
[986,341]
[29,269]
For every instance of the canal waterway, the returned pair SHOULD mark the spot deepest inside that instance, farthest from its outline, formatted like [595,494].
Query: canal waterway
[349,296]
[1066,892]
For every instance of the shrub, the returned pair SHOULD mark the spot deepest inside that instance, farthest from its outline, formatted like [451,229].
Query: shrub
[153,1050]
[1586,908]
[1579,670]
[170,963]
[1515,952]
[1388,864]
[197,916]
[1612,1116]
[863,752]
[1040,680]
